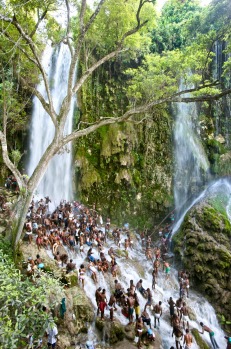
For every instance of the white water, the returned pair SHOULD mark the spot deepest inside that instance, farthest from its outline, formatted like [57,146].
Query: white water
[221,186]
[135,268]
[57,181]
[191,162]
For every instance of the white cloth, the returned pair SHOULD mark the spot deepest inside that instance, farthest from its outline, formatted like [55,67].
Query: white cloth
[52,333]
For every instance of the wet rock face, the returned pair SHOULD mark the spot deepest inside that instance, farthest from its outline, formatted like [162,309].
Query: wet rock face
[203,245]
[114,331]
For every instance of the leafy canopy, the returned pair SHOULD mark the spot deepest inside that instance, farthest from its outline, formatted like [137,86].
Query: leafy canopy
[21,302]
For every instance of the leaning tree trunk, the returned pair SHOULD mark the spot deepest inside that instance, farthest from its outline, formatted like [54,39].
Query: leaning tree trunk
[21,211]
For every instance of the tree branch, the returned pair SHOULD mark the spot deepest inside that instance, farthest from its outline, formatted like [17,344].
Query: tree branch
[8,162]
[94,67]
[139,25]
[94,15]
[68,28]
[45,105]
[19,47]
[203,98]
[40,18]
[31,44]
[142,109]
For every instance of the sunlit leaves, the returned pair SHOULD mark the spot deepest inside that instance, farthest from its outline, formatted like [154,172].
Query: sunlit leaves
[21,304]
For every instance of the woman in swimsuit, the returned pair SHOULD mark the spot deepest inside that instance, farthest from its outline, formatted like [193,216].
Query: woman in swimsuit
[82,271]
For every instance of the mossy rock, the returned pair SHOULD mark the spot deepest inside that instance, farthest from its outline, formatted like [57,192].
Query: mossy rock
[204,240]
[116,333]
[83,309]
[99,324]
[72,279]
[200,342]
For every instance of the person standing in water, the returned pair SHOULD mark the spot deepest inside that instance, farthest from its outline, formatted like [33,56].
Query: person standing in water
[187,339]
[157,313]
[211,335]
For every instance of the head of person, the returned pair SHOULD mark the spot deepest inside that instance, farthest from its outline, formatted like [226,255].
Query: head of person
[160,302]
[71,260]
[187,330]
[201,323]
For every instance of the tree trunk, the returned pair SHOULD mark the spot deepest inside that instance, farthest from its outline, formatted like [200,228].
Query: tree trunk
[20,217]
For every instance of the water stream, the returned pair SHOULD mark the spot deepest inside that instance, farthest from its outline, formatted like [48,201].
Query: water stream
[57,181]
[191,162]
[136,267]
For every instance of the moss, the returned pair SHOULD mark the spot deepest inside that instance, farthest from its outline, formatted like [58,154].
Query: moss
[200,342]
[99,324]
[72,279]
[203,246]
[116,333]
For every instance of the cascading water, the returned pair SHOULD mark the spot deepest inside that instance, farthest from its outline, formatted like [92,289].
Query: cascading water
[57,181]
[136,267]
[191,163]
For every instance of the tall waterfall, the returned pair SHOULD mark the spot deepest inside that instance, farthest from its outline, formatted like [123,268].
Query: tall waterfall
[57,181]
[191,163]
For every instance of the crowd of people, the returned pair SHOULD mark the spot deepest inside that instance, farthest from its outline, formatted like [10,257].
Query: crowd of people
[74,227]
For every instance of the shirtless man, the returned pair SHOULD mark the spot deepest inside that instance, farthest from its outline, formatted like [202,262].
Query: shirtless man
[156,266]
[187,339]
[131,303]
[97,298]
[118,291]
[139,330]
[148,252]
[146,318]
[149,301]
[184,315]
[102,303]
[175,321]
[153,279]
[70,266]
[179,304]
[171,308]
[112,306]
[132,287]
[211,335]
[157,313]
[186,282]
[178,336]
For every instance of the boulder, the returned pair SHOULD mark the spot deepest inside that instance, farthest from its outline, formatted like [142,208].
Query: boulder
[203,245]
[114,331]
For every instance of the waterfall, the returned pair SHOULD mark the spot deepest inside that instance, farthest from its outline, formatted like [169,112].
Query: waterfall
[57,181]
[222,186]
[136,267]
[191,163]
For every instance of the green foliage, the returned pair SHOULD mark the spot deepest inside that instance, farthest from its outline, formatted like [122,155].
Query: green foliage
[171,31]
[11,105]
[113,21]
[21,303]
[223,320]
